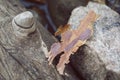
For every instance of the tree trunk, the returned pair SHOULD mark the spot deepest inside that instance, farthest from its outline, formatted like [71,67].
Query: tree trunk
[24,58]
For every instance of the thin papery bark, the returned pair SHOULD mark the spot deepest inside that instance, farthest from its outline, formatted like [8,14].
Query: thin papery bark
[62,29]
[71,40]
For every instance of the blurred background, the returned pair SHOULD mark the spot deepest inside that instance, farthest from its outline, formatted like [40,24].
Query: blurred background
[53,13]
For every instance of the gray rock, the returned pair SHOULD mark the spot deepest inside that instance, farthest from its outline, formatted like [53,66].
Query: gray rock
[99,59]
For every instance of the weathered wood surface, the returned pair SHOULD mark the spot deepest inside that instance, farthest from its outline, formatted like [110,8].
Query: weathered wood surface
[21,59]
[24,58]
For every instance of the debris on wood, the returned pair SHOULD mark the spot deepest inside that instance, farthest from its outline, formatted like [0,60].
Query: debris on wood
[71,40]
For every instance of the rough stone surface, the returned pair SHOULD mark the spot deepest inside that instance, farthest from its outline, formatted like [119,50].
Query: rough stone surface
[99,59]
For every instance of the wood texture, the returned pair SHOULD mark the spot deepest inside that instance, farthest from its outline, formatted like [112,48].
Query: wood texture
[21,59]
[24,59]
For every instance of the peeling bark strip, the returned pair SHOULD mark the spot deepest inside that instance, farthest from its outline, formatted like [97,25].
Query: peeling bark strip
[72,40]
